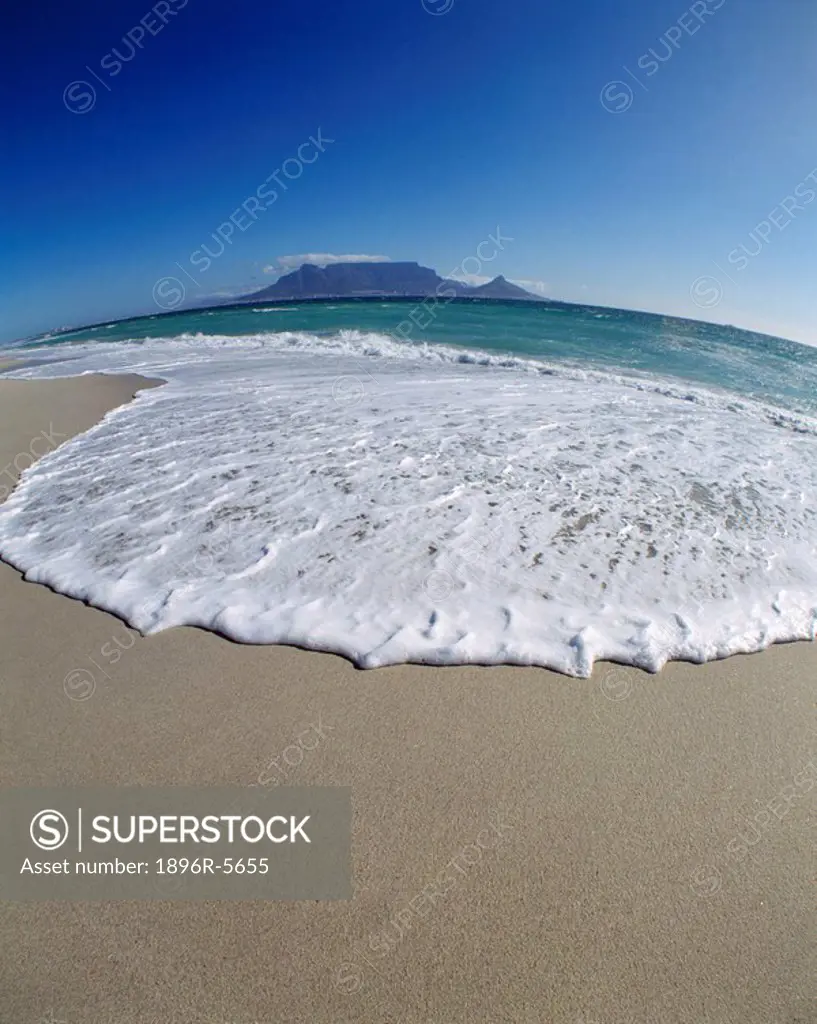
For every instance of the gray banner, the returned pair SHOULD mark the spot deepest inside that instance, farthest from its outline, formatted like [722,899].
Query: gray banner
[177,843]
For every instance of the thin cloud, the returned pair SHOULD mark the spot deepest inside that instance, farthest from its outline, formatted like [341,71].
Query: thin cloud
[235,290]
[321,259]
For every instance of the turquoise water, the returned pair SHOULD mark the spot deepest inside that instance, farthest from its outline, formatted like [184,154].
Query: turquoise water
[528,484]
[753,365]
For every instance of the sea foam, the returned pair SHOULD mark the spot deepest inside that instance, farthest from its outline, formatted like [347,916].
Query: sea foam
[393,502]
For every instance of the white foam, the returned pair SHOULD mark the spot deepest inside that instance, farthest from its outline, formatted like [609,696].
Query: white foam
[396,502]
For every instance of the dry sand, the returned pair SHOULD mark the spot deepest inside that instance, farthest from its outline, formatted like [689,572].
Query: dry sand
[618,892]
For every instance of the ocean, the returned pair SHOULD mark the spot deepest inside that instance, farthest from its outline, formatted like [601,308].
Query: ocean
[475,482]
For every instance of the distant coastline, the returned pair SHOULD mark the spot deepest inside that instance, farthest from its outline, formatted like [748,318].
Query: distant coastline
[396,279]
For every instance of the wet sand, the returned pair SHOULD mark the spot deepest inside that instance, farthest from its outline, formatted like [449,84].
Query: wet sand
[638,871]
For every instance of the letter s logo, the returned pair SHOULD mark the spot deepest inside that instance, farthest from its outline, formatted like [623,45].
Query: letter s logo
[48,830]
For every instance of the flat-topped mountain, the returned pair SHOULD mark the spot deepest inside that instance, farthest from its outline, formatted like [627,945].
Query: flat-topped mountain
[356,280]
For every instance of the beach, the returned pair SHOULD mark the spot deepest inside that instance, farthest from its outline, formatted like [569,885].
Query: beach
[623,849]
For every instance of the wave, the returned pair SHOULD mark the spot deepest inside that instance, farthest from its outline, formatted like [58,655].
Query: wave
[389,501]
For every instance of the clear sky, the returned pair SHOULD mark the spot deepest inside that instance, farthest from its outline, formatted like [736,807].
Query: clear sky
[687,194]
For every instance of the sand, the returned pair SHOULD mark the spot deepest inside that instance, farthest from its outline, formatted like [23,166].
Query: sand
[618,888]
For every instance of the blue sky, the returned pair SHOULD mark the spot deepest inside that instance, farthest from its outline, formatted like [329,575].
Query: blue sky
[687,194]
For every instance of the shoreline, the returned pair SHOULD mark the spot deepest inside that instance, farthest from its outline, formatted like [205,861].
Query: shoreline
[617,649]
[626,890]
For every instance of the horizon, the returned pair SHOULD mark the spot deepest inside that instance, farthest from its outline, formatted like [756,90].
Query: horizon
[214,302]
[238,303]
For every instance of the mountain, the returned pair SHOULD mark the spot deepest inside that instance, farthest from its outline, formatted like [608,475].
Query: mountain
[356,280]
[499,288]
